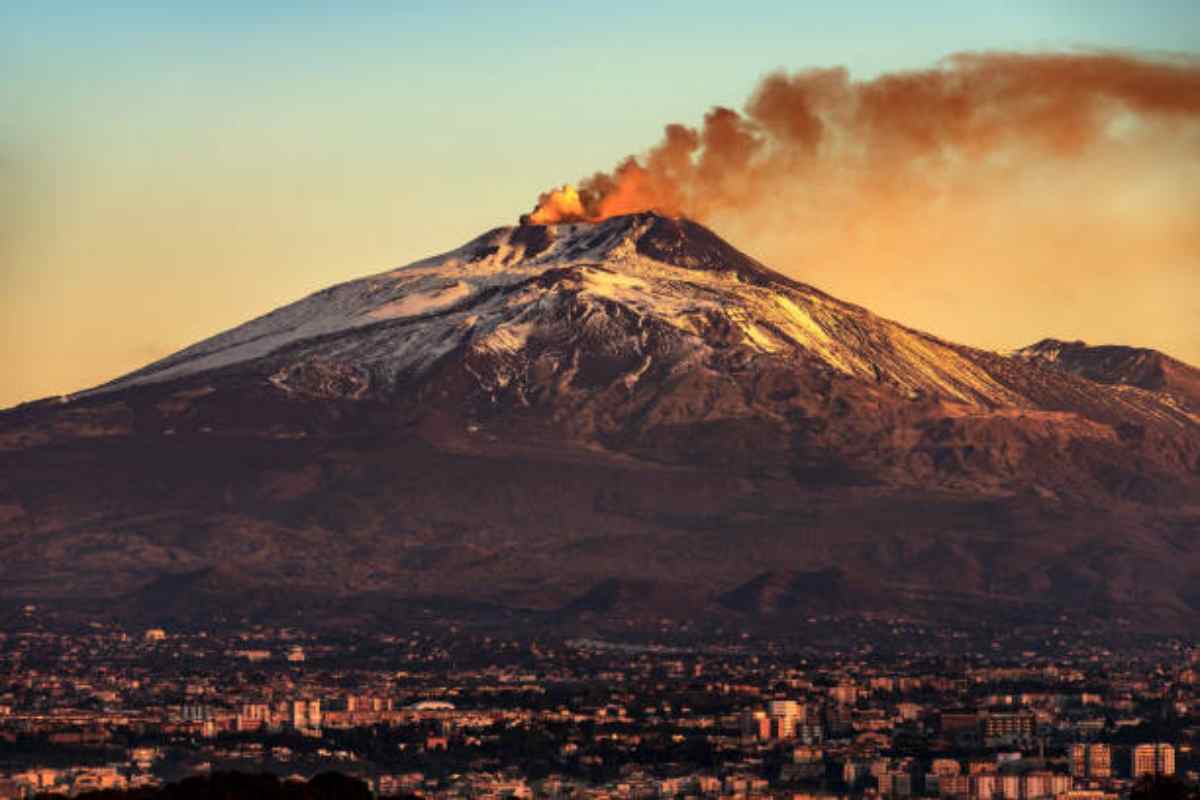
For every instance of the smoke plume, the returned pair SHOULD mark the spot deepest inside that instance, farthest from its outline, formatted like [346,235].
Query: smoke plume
[1043,168]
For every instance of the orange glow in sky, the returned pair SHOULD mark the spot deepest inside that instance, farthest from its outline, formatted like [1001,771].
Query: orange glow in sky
[166,175]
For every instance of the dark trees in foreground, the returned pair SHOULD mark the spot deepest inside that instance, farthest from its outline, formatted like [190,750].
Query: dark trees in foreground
[1162,787]
[240,786]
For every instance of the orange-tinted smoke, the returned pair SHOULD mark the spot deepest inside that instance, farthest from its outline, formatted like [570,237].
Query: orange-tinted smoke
[899,135]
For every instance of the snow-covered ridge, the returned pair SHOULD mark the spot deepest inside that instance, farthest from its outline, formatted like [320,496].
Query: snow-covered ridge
[607,282]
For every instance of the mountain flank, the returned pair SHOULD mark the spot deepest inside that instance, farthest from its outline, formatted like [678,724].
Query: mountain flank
[608,424]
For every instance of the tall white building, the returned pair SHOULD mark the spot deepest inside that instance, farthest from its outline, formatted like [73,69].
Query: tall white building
[1156,758]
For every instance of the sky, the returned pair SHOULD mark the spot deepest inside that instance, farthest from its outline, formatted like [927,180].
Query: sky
[170,170]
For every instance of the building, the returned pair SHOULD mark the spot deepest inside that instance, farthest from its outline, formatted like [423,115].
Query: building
[786,708]
[939,769]
[960,727]
[1153,759]
[253,717]
[306,714]
[1009,727]
[845,694]
[783,720]
[1078,760]
[954,785]
[785,716]
[1091,760]
[984,785]
[756,725]
[1099,761]
[1087,794]
[194,712]
[1035,785]
[810,733]
[895,783]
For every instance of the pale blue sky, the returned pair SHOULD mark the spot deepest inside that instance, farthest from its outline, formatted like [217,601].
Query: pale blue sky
[171,151]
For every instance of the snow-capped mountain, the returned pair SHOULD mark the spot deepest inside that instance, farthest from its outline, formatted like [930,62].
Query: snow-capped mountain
[641,287]
[574,416]
[638,298]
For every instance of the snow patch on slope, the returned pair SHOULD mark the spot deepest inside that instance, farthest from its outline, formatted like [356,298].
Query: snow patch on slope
[422,302]
[512,286]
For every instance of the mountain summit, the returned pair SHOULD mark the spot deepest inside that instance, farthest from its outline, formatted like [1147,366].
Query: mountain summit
[618,419]
[641,288]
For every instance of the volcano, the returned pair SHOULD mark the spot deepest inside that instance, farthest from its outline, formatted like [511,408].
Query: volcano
[609,422]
